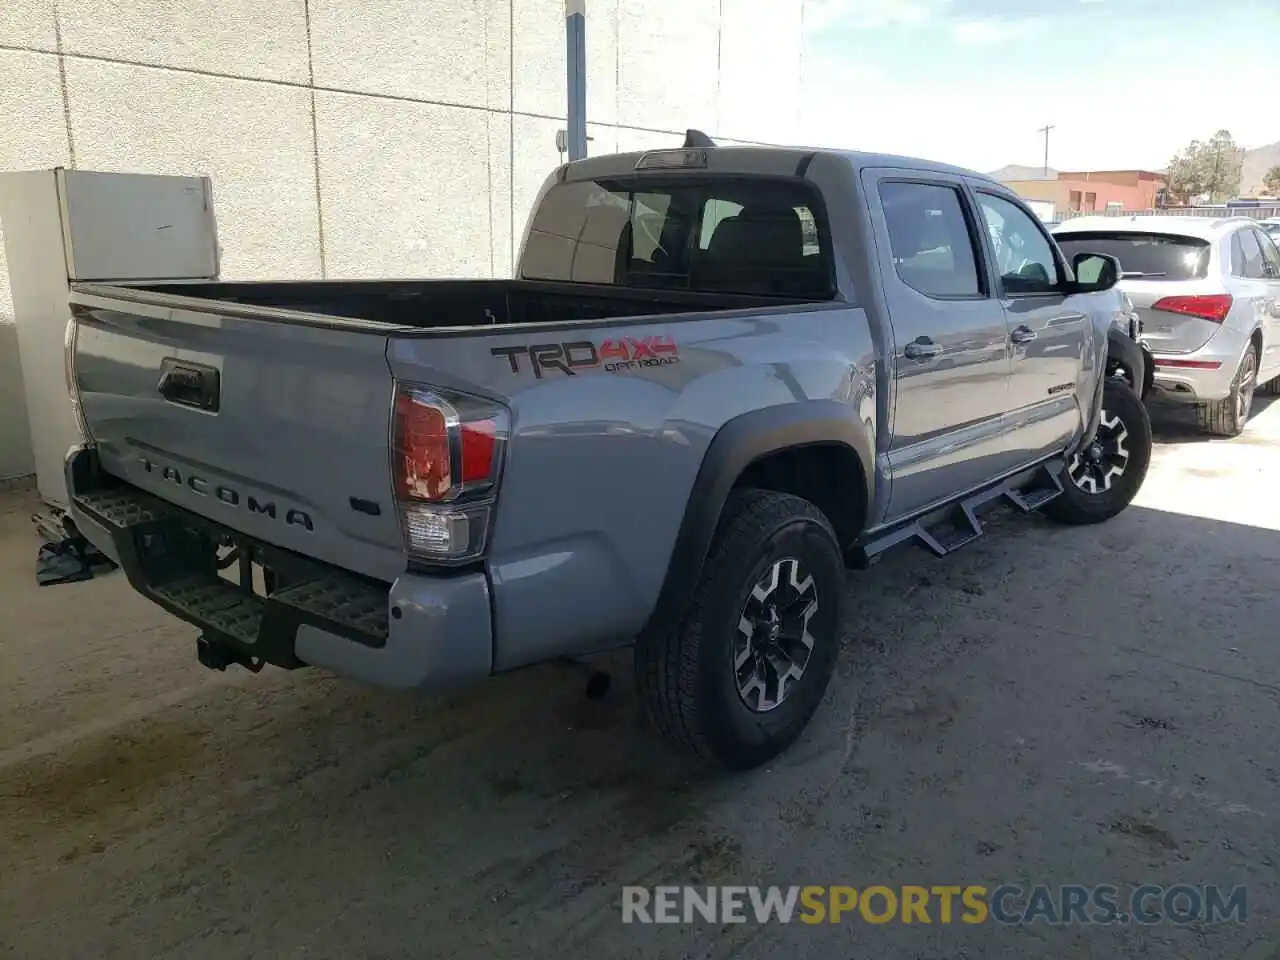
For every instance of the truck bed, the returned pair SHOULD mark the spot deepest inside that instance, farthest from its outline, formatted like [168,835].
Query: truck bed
[290,412]
[437,304]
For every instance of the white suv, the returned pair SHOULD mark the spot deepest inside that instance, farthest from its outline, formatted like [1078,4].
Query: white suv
[1207,292]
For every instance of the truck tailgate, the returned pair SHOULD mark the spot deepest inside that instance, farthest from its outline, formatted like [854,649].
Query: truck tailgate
[277,430]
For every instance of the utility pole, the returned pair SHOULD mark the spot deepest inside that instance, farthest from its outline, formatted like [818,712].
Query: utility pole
[575,33]
[1045,130]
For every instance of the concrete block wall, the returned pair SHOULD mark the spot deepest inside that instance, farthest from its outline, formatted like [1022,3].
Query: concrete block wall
[363,138]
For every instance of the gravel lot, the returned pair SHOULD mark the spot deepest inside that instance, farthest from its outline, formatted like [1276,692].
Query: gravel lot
[1050,705]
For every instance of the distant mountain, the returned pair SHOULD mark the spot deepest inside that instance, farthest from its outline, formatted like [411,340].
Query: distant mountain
[1016,171]
[1256,164]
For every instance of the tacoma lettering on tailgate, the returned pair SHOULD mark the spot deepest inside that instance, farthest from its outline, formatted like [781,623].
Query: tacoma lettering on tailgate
[229,495]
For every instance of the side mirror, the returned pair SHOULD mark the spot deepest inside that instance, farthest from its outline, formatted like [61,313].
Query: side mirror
[1095,272]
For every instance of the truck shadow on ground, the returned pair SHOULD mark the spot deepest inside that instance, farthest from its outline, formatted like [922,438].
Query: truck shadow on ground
[296,813]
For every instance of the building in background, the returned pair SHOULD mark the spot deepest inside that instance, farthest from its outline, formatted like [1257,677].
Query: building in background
[1102,190]
[1095,191]
[366,138]
[1045,192]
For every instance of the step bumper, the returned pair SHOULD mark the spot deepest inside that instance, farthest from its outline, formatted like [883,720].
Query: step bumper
[424,632]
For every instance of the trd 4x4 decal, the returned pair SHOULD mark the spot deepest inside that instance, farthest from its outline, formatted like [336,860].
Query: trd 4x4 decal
[624,353]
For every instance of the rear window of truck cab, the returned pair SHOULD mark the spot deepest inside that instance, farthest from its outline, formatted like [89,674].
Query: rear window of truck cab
[723,235]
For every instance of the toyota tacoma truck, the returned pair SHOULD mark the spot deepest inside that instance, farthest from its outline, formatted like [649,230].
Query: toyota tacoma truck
[720,376]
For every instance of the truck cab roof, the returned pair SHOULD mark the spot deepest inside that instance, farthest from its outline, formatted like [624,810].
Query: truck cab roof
[759,160]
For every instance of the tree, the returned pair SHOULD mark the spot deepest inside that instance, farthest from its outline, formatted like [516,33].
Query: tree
[1206,169]
[1271,182]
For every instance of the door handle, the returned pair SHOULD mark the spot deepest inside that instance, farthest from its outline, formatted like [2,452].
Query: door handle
[1022,335]
[921,348]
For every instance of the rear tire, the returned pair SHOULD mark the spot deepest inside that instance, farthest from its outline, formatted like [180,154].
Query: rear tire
[1103,479]
[738,678]
[1227,417]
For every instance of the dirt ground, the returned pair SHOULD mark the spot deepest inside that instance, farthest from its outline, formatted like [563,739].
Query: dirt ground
[1050,705]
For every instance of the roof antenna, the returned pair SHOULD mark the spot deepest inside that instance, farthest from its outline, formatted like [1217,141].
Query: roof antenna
[697,139]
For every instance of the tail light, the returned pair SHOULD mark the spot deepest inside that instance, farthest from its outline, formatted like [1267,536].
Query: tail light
[69,336]
[1214,306]
[447,452]
[1166,362]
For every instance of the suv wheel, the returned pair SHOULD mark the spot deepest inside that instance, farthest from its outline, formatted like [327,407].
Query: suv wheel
[1102,479]
[738,679]
[1227,417]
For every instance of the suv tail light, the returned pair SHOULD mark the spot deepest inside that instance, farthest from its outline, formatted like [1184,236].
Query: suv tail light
[447,452]
[1213,307]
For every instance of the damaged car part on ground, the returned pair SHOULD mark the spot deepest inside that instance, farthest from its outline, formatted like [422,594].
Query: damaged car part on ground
[721,376]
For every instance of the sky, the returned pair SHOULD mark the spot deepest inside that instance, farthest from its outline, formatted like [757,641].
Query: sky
[1125,83]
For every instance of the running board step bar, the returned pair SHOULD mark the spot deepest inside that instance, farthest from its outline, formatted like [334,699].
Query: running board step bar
[948,528]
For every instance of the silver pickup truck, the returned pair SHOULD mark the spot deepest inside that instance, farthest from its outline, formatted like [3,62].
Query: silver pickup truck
[720,376]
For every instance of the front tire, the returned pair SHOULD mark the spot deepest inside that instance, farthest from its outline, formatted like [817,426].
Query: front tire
[738,678]
[1103,479]
[1227,417]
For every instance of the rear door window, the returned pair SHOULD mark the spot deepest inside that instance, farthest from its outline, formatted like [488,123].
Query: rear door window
[1270,255]
[739,235]
[1252,265]
[1153,256]
[1237,256]
[930,239]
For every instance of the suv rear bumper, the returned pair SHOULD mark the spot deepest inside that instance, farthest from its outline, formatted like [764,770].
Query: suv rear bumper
[424,632]
[1190,384]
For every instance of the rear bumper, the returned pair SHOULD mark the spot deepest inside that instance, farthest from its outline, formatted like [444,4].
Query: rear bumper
[1181,379]
[423,632]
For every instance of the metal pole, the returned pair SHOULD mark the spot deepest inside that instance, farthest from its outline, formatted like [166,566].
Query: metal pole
[575,33]
[1045,130]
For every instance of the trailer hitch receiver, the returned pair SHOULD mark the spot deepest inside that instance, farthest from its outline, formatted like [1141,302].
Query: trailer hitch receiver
[219,656]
